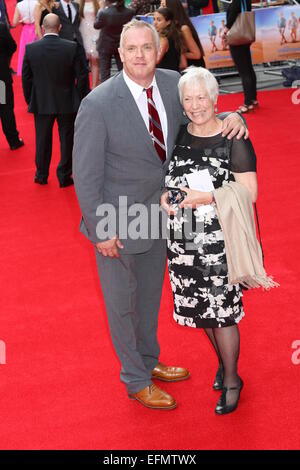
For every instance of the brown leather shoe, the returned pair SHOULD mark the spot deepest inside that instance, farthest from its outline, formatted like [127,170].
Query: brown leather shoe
[155,398]
[169,374]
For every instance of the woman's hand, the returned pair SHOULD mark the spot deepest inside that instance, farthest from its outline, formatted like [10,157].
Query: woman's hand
[165,204]
[194,198]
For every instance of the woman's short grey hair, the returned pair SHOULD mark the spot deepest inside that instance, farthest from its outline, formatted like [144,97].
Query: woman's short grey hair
[139,24]
[199,75]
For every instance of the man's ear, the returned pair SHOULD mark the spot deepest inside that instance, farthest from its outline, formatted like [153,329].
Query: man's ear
[121,54]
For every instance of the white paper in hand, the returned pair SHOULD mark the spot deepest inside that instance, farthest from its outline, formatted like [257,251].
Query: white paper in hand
[201,181]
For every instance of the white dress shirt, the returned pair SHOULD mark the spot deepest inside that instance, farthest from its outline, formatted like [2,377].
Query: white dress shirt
[65,7]
[140,98]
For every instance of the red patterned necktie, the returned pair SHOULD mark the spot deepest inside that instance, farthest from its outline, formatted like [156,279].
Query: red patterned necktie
[155,128]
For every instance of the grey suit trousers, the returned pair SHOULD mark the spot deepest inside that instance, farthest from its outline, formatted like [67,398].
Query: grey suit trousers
[132,290]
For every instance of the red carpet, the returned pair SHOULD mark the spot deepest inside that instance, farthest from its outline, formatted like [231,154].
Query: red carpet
[60,387]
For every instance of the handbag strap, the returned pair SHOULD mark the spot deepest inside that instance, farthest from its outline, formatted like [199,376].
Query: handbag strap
[243,6]
[229,148]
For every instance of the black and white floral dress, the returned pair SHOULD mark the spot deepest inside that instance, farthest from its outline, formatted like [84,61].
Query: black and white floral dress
[203,298]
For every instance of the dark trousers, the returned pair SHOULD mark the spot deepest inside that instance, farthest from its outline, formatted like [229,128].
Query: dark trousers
[7,117]
[242,58]
[105,62]
[43,143]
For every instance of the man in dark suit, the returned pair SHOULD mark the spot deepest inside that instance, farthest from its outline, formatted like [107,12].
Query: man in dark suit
[68,13]
[53,79]
[7,115]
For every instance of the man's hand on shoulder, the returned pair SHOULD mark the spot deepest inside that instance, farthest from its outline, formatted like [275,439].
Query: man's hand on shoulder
[110,247]
[234,126]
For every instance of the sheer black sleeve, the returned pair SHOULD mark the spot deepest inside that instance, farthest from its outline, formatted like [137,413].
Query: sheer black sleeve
[243,157]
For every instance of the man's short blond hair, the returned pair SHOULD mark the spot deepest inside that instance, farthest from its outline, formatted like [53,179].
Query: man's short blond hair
[139,25]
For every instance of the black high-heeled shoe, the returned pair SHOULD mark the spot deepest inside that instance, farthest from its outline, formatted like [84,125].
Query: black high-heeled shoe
[222,408]
[218,383]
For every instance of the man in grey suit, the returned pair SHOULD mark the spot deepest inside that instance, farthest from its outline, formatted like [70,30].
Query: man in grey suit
[115,165]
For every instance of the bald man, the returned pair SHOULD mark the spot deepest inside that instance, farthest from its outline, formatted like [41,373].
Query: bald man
[53,79]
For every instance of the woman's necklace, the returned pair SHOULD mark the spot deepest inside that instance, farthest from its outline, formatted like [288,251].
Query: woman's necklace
[216,131]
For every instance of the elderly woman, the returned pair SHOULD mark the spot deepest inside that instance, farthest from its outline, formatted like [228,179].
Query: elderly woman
[203,297]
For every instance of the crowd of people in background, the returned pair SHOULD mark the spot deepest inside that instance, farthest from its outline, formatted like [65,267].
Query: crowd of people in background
[95,26]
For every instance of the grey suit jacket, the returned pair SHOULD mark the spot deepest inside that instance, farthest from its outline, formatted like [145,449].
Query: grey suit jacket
[114,155]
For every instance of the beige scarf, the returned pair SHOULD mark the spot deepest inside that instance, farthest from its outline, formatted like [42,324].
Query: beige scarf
[243,252]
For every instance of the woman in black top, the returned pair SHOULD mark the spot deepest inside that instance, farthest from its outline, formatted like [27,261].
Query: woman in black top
[242,58]
[42,8]
[171,56]
[203,295]
[194,52]
[110,21]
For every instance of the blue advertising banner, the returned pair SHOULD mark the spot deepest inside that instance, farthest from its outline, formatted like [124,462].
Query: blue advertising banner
[209,29]
[277,36]
[278,31]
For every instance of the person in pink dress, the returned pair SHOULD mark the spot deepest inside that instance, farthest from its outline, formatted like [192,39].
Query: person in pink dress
[24,15]
[87,11]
